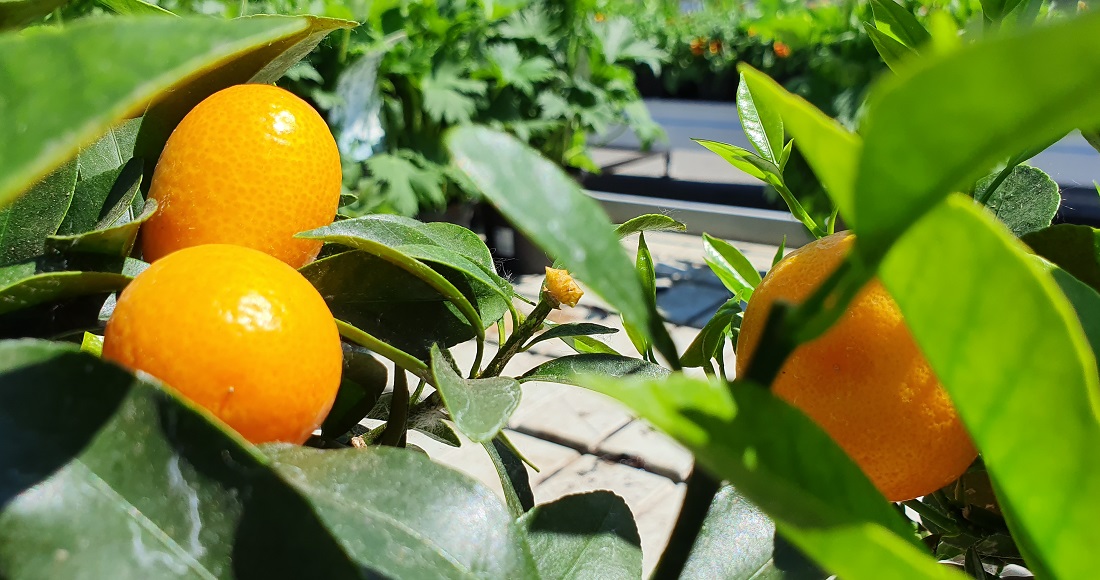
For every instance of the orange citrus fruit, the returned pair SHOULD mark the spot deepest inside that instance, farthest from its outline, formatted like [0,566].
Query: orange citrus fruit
[251,165]
[237,332]
[864,381]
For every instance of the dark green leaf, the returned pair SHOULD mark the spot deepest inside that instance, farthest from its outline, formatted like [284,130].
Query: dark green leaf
[16,13]
[708,344]
[817,495]
[570,369]
[649,222]
[1074,248]
[480,408]
[738,540]
[1093,138]
[896,20]
[106,476]
[55,286]
[892,51]
[1014,356]
[549,207]
[922,142]
[428,417]
[100,201]
[441,523]
[581,536]
[111,151]
[830,149]
[361,384]
[996,9]
[762,124]
[779,252]
[25,224]
[512,474]
[735,271]
[47,92]
[572,329]
[391,304]
[115,241]
[1086,303]
[1025,201]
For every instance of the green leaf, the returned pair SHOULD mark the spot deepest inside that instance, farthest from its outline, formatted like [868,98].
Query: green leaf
[1085,301]
[738,540]
[135,8]
[1074,248]
[997,9]
[571,329]
[1093,138]
[449,95]
[549,207]
[650,222]
[568,370]
[62,110]
[361,384]
[30,306]
[742,158]
[708,343]
[921,142]
[428,417]
[389,303]
[25,224]
[896,20]
[441,523]
[831,150]
[620,43]
[16,13]
[510,68]
[893,52]
[113,241]
[106,476]
[1025,201]
[779,252]
[817,495]
[1016,356]
[92,344]
[763,125]
[404,184]
[589,535]
[735,271]
[111,151]
[480,408]
[643,265]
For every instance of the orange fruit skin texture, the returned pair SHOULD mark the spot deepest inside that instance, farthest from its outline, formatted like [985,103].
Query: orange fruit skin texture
[251,165]
[237,332]
[865,381]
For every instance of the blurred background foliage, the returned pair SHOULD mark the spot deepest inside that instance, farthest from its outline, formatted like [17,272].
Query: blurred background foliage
[555,73]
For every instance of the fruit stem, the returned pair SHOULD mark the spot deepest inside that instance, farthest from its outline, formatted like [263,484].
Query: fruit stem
[399,357]
[701,489]
[519,337]
[396,426]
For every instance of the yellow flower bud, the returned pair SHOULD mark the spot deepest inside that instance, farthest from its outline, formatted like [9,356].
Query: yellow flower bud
[561,287]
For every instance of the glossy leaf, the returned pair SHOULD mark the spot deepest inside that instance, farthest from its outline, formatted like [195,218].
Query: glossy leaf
[389,303]
[442,523]
[52,287]
[101,200]
[569,369]
[830,149]
[123,480]
[581,536]
[922,142]
[25,224]
[817,495]
[738,541]
[742,158]
[647,223]
[896,20]
[111,151]
[735,271]
[1013,356]
[480,408]
[115,241]
[52,130]
[1086,304]
[762,124]
[362,381]
[571,329]
[1025,201]
[1074,248]
[643,264]
[892,51]
[571,226]
[708,343]
[16,13]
